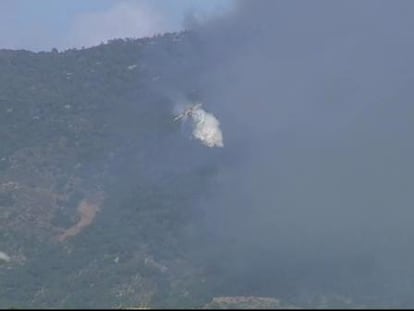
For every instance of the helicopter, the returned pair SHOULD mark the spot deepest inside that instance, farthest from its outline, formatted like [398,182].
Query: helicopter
[188,112]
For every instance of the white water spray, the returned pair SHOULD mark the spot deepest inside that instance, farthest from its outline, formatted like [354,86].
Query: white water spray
[206,127]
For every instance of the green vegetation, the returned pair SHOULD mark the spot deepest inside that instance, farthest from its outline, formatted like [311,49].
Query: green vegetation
[77,123]
[81,121]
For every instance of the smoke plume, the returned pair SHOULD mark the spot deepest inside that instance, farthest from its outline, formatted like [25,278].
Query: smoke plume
[315,101]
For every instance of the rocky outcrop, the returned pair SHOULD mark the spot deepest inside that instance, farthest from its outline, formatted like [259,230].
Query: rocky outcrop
[242,302]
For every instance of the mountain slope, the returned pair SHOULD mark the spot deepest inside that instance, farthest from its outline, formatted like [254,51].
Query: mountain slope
[82,123]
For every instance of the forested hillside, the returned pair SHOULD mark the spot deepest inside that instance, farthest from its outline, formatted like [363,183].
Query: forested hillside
[98,183]
[107,201]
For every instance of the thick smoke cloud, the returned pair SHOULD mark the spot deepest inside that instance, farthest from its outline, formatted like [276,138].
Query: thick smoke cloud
[316,101]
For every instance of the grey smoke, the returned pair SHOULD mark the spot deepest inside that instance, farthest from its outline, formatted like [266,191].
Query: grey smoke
[316,101]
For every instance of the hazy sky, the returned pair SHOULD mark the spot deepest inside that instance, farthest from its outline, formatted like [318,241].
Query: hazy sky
[44,24]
